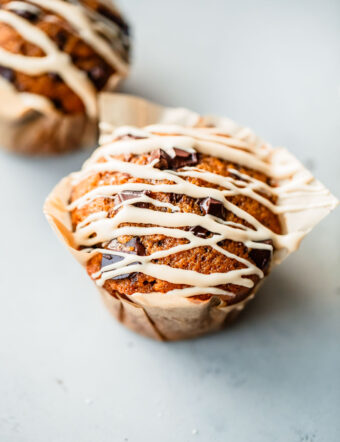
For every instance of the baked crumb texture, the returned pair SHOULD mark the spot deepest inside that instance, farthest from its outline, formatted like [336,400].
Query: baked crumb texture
[56,55]
[172,210]
[177,224]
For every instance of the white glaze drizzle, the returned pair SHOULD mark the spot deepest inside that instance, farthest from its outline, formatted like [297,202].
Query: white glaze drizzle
[20,5]
[12,109]
[238,147]
[83,25]
[54,59]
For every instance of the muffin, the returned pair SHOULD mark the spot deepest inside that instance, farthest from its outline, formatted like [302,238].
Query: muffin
[178,225]
[55,56]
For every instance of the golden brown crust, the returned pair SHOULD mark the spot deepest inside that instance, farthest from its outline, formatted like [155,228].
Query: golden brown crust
[202,259]
[50,84]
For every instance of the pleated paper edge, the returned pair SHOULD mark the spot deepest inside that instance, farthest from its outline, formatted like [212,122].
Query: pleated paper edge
[152,313]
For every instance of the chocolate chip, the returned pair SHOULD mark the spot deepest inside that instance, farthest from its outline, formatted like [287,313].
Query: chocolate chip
[176,159]
[61,38]
[99,75]
[136,246]
[182,158]
[7,73]
[128,195]
[29,15]
[112,259]
[163,159]
[133,246]
[106,12]
[54,76]
[57,103]
[210,206]
[124,275]
[175,197]
[199,231]
[262,257]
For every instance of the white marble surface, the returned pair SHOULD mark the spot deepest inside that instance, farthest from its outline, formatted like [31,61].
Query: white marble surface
[69,373]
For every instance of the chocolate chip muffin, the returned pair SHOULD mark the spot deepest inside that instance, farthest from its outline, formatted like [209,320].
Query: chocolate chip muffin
[55,56]
[178,225]
[208,205]
[161,211]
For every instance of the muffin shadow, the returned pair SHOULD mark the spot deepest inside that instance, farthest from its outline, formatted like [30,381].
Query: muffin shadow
[279,296]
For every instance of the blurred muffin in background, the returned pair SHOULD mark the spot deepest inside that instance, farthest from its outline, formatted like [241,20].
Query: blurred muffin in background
[55,56]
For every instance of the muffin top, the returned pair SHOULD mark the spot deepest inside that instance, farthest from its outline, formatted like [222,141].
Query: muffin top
[175,210]
[55,55]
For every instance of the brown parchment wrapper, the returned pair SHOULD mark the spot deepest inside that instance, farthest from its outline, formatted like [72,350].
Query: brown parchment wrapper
[30,130]
[167,317]
[35,133]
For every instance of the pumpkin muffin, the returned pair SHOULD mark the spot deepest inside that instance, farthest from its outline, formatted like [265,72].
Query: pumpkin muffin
[55,56]
[204,258]
[178,225]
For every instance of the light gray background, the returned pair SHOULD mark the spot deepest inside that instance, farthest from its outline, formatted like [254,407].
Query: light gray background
[69,373]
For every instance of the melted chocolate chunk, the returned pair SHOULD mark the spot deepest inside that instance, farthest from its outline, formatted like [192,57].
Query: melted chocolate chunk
[163,159]
[182,158]
[128,195]
[98,75]
[112,259]
[125,275]
[134,246]
[61,39]
[55,77]
[175,197]
[210,206]
[178,158]
[7,73]
[199,231]
[114,17]
[262,257]
[57,103]
[29,15]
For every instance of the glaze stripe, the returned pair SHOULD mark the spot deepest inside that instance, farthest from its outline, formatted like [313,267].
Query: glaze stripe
[54,59]
[98,228]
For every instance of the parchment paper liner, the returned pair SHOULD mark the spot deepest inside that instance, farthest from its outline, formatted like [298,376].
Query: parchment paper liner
[168,317]
[28,129]
[37,133]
